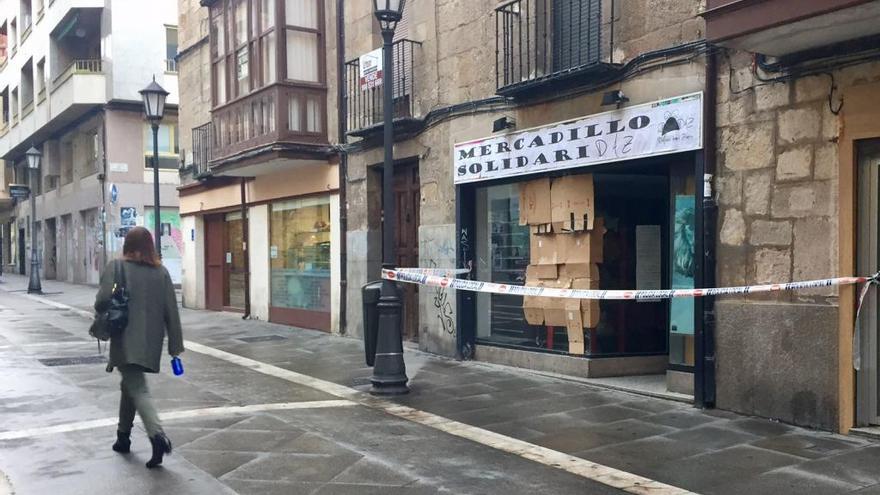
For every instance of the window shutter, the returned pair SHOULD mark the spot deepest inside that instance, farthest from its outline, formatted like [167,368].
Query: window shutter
[576,33]
[402,54]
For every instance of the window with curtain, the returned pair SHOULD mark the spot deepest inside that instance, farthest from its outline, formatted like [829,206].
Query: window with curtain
[302,33]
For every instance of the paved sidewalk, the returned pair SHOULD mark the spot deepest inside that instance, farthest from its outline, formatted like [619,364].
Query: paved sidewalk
[365,449]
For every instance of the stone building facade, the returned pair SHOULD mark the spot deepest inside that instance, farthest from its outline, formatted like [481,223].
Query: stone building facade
[794,142]
[452,93]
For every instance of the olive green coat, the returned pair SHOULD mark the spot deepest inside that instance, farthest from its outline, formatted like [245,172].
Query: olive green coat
[152,312]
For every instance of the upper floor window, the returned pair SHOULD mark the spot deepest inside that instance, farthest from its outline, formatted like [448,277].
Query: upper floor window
[168,146]
[171,48]
[303,33]
[244,44]
[13,34]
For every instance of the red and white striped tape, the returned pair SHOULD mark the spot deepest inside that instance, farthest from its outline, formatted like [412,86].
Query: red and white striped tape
[442,278]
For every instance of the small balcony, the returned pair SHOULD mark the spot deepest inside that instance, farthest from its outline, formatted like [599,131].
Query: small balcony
[202,149]
[171,66]
[784,27]
[551,44]
[278,118]
[364,98]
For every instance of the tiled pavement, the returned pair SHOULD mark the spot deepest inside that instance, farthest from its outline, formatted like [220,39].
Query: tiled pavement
[359,450]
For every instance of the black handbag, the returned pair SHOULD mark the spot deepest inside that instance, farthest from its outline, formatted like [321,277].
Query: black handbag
[112,321]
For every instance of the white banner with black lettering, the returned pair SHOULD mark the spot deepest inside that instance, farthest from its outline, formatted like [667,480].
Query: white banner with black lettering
[667,126]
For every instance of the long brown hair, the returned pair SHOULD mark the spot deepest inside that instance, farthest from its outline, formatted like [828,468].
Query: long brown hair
[139,248]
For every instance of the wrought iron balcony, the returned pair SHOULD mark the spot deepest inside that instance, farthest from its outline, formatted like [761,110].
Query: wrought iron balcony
[542,43]
[364,100]
[202,149]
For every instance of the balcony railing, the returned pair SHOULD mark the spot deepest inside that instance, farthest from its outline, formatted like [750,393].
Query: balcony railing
[277,113]
[88,66]
[538,41]
[171,65]
[202,146]
[364,101]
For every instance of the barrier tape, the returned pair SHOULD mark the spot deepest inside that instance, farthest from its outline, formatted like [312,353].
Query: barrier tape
[445,278]
[440,272]
[440,278]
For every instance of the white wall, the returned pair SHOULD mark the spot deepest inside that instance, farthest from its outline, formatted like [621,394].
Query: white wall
[193,261]
[335,267]
[258,252]
[137,47]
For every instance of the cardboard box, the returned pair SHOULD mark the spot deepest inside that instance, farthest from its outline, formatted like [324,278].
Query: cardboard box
[582,247]
[589,307]
[534,202]
[533,307]
[574,326]
[554,307]
[543,249]
[572,203]
[578,270]
[542,272]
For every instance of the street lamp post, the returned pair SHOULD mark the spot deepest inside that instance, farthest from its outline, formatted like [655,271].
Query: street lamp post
[389,373]
[33,161]
[154,108]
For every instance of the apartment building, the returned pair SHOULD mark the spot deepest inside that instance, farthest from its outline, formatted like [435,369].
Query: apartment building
[717,143]
[69,86]
[260,193]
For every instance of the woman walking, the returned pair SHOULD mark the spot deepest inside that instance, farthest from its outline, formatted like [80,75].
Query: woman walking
[152,312]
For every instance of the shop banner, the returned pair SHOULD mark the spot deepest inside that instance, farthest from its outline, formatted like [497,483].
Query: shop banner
[662,127]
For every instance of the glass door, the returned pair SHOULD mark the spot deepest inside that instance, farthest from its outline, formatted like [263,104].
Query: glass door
[868,395]
[235,262]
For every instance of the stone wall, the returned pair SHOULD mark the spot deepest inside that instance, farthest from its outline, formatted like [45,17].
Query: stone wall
[777,188]
[455,63]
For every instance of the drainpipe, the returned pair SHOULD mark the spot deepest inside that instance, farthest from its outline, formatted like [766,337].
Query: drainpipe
[103,180]
[704,379]
[245,227]
[342,110]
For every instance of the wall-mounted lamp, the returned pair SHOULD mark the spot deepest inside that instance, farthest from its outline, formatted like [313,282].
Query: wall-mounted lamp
[615,97]
[502,124]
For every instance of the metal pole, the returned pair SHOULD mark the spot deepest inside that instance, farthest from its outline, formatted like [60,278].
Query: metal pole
[34,286]
[389,373]
[157,224]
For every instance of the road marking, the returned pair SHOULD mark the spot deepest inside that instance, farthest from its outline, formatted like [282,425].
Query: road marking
[615,478]
[173,415]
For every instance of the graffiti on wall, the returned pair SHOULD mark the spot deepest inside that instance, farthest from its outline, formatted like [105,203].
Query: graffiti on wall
[439,252]
[172,239]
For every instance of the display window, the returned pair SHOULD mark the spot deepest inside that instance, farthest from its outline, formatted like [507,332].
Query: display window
[299,255]
[641,236]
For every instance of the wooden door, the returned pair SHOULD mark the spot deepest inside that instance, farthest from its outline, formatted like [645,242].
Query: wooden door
[215,291]
[407,197]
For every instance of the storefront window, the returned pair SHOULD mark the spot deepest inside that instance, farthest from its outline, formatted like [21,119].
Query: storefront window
[300,254]
[681,311]
[635,212]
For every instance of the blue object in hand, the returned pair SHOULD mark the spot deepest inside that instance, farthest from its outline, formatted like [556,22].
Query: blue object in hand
[177,366]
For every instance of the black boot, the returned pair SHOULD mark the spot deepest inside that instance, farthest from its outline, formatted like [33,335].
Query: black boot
[161,446]
[123,443]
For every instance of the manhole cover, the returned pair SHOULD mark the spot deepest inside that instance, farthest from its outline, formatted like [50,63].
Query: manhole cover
[262,338]
[72,361]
